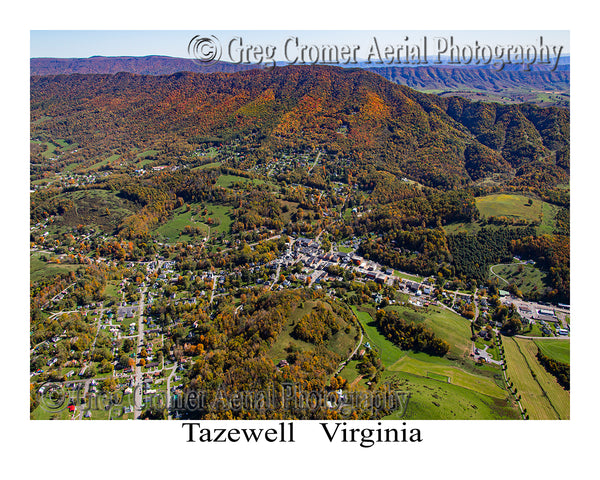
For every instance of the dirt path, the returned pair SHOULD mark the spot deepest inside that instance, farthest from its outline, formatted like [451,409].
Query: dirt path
[355,381]
[499,264]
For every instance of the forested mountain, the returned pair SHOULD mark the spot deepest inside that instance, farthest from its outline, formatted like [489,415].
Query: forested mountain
[429,77]
[440,142]
[539,85]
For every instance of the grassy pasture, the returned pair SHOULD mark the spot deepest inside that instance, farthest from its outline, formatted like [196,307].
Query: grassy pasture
[448,373]
[39,268]
[529,280]
[182,217]
[103,162]
[559,350]
[441,388]
[227,181]
[432,399]
[388,352]
[445,324]
[207,166]
[515,206]
[341,343]
[541,394]
[414,278]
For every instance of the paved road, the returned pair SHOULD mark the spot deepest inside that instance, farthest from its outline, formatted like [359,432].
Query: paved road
[169,391]
[212,291]
[558,337]
[476,303]
[138,369]
[276,279]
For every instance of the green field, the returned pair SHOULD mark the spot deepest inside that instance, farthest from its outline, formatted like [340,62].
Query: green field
[445,324]
[142,158]
[388,352]
[458,387]
[146,153]
[469,228]
[559,350]
[548,219]
[50,148]
[173,228]
[54,147]
[531,279]
[39,268]
[341,343]
[453,328]
[437,376]
[541,394]
[228,180]
[351,373]
[207,166]
[408,276]
[426,366]
[111,291]
[510,205]
[103,162]
[433,399]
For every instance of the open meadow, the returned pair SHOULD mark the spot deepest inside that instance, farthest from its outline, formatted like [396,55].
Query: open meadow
[541,395]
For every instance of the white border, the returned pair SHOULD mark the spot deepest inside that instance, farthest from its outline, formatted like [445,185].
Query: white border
[450,449]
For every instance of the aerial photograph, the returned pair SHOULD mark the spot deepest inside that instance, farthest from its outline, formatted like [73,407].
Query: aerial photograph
[300,225]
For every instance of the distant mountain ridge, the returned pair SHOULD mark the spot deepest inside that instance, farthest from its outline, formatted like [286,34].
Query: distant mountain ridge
[510,85]
[148,65]
[164,65]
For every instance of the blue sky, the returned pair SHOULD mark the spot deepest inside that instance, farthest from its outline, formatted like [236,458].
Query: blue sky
[87,43]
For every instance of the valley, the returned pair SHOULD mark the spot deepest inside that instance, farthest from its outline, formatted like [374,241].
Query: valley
[218,233]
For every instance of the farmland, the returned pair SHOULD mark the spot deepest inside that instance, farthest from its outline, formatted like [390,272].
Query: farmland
[559,350]
[439,387]
[513,207]
[541,395]
[434,399]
